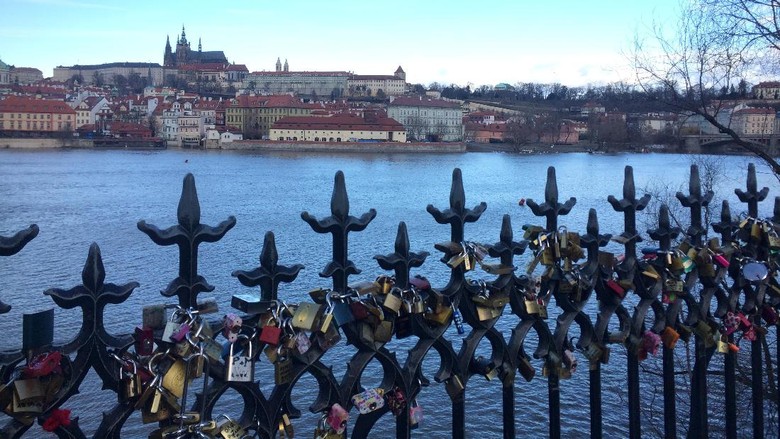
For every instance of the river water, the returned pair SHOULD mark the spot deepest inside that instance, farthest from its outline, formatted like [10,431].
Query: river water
[80,197]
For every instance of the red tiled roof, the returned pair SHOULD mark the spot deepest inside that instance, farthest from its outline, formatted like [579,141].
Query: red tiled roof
[767,84]
[373,77]
[26,105]
[26,70]
[271,101]
[237,68]
[340,122]
[306,73]
[419,101]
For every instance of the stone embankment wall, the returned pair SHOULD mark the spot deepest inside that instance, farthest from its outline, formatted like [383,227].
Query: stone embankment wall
[254,145]
[45,143]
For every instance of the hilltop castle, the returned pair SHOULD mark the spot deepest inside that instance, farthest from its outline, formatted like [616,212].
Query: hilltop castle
[185,55]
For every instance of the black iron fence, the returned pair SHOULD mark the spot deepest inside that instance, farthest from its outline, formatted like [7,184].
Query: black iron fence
[708,293]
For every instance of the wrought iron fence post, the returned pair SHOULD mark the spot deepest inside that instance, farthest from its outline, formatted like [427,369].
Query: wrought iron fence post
[695,201]
[551,209]
[752,196]
[629,206]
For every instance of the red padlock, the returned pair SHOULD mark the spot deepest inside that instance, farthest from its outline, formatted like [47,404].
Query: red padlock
[144,341]
[616,288]
[270,335]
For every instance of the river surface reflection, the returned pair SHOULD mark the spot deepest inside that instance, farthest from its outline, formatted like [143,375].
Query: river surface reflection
[80,197]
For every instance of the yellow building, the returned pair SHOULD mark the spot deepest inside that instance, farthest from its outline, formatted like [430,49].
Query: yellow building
[340,128]
[255,115]
[767,90]
[25,114]
[754,121]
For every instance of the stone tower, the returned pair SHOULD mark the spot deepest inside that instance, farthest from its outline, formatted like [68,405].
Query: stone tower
[286,66]
[168,60]
[400,74]
[278,65]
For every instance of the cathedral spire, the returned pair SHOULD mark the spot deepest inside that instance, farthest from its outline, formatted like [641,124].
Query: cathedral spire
[183,35]
[199,46]
[286,66]
[278,65]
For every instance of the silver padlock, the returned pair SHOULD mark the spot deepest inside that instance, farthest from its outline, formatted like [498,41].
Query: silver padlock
[227,428]
[240,367]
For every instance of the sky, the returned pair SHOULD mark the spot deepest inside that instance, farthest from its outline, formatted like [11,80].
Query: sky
[572,42]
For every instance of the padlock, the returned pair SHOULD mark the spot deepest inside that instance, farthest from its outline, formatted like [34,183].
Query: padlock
[616,288]
[723,344]
[302,342]
[403,326]
[457,319]
[32,406]
[326,340]
[337,418]
[704,332]
[369,400]
[674,285]
[542,305]
[175,378]
[392,302]
[227,428]
[283,368]
[30,389]
[415,415]
[286,429]
[525,368]
[440,318]
[484,313]
[670,337]
[383,333]
[342,314]
[395,401]
[366,333]
[271,334]
[306,316]
[240,367]
[454,386]
[531,306]
[418,306]
[231,327]
[385,284]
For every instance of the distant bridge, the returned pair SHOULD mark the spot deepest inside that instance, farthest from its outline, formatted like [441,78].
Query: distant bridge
[714,141]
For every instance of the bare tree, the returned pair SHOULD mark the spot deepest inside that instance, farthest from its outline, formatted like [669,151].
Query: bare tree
[686,67]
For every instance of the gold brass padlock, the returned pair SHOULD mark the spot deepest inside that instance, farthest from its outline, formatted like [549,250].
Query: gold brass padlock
[454,386]
[384,332]
[392,302]
[306,315]
[440,318]
[531,306]
[484,313]
[174,378]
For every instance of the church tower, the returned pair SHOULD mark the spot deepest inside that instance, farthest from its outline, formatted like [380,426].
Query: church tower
[168,57]
[400,74]
[278,65]
[182,49]
[286,66]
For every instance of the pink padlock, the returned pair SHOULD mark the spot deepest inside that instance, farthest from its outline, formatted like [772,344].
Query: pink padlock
[181,332]
[337,418]
[231,327]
